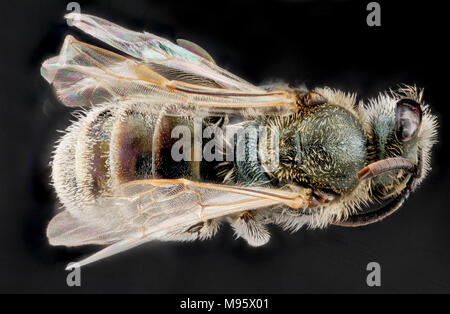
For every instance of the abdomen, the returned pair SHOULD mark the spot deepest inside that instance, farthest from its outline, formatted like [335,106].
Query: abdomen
[112,145]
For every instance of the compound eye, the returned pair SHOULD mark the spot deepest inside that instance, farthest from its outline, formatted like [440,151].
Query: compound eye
[408,116]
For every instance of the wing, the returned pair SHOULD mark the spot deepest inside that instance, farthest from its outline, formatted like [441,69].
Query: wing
[152,209]
[171,59]
[160,71]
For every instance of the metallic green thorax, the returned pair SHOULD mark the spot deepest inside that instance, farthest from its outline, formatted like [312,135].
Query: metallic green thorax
[322,147]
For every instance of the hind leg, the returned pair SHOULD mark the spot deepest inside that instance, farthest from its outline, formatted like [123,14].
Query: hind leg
[251,226]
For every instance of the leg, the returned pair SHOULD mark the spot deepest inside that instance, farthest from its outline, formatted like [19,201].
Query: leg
[250,226]
[204,230]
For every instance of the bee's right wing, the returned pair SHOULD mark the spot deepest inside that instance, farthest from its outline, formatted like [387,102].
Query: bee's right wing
[151,209]
[84,75]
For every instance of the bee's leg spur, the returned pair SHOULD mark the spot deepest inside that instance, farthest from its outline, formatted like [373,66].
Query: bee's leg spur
[249,226]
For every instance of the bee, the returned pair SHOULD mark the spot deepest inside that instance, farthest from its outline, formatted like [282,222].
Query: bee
[125,177]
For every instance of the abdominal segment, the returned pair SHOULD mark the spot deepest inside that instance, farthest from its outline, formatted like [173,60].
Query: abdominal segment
[81,168]
[131,146]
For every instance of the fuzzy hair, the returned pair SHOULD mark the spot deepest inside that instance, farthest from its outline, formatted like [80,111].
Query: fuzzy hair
[323,216]
[386,103]
[339,98]
[253,229]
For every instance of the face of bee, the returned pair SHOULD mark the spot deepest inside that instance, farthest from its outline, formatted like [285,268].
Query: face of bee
[401,131]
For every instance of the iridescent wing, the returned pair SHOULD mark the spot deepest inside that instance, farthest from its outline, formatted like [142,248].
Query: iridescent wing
[172,60]
[85,75]
[146,210]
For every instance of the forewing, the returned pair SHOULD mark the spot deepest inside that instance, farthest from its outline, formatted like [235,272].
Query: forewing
[169,58]
[85,75]
[157,209]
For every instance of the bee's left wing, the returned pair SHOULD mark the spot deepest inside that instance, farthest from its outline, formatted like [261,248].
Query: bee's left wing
[183,62]
[152,209]
[158,70]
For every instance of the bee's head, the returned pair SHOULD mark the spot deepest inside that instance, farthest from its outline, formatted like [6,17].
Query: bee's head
[401,132]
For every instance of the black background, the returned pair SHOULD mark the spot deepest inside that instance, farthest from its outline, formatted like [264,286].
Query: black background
[312,42]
